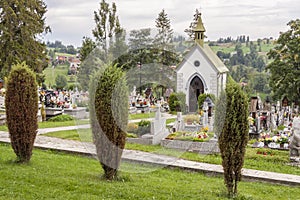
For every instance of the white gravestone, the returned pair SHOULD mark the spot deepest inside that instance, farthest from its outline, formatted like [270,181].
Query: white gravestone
[158,128]
[179,123]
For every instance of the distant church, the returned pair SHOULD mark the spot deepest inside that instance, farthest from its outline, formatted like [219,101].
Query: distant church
[201,71]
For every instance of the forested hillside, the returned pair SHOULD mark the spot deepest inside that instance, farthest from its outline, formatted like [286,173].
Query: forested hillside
[246,61]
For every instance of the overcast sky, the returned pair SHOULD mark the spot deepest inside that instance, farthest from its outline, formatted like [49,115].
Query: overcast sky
[70,20]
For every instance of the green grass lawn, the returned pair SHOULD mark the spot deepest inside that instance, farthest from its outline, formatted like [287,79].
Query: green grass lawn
[51,73]
[141,116]
[278,162]
[53,175]
[48,124]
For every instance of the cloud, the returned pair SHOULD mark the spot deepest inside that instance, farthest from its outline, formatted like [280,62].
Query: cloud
[72,19]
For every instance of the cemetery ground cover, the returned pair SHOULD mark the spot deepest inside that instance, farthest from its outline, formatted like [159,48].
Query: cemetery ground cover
[141,115]
[274,160]
[51,73]
[48,124]
[52,174]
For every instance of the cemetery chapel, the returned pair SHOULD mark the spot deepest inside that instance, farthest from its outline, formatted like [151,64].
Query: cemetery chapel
[201,71]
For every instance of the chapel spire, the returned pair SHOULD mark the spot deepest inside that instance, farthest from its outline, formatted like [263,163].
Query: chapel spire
[199,31]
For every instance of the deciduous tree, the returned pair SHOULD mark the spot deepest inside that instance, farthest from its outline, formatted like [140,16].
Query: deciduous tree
[107,24]
[87,66]
[61,81]
[109,42]
[285,67]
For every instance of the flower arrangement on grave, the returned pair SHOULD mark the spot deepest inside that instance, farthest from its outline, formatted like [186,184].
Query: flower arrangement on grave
[59,103]
[201,112]
[283,139]
[265,138]
[171,136]
[251,120]
[189,136]
[277,136]
[201,135]
[204,129]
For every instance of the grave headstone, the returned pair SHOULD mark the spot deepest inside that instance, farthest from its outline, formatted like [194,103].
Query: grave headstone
[179,123]
[61,97]
[158,128]
[258,123]
[273,120]
[205,114]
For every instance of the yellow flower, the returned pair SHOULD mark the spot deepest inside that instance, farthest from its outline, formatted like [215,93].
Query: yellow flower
[204,129]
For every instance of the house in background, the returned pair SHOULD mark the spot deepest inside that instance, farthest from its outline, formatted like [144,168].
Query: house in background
[61,59]
[74,67]
[201,71]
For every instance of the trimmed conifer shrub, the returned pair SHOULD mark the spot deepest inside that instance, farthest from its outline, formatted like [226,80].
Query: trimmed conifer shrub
[234,135]
[177,102]
[109,117]
[21,104]
[61,118]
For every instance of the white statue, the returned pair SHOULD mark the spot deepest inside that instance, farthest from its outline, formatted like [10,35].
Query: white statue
[133,93]
[295,139]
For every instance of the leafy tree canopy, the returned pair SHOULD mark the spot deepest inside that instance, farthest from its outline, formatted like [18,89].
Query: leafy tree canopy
[285,67]
[108,42]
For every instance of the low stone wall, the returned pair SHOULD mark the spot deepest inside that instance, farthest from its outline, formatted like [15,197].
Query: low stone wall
[201,147]
[144,141]
[210,147]
[51,112]
[78,113]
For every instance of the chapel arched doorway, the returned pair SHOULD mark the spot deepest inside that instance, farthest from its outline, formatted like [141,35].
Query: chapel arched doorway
[196,88]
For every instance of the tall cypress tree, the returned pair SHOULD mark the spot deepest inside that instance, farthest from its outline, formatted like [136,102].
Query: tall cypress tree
[109,117]
[21,103]
[21,24]
[233,135]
